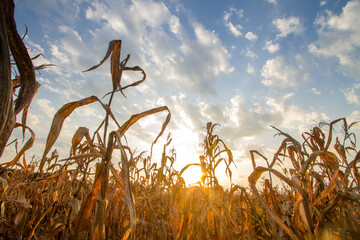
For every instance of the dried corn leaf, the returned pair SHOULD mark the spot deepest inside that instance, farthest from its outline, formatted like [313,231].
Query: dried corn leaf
[26,167]
[187,166]
[127,234]
[38,222]
[109,51]
[29,143]
[75,205]
[99,230]
[93,156]
[23,201]
[7,117]
[44,66]
[82,221]
[3,186]
[58,121]
[56,229]
[253,178]
[329,187]
[134,118]
[302,203]
[115,65]
[134,84]
[331,130]
[77,138]
[129,195]
[28,84]
[117,178]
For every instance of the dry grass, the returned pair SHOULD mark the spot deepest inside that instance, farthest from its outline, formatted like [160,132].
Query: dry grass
[86,197]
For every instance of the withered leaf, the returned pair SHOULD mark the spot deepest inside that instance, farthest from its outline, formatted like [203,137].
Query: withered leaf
[134,118]
[82,222]
[58,121]
[29,143]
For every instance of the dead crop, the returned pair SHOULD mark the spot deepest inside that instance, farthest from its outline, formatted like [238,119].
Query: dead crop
[309,189]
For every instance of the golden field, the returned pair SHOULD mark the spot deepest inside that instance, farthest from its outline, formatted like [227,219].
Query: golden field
[309,189]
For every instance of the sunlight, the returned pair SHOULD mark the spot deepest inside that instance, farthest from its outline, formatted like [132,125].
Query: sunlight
[192,175]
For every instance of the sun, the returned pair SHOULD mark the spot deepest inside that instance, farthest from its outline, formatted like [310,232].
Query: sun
[192,175]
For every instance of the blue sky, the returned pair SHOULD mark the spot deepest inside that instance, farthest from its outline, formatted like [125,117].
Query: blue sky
[243,64]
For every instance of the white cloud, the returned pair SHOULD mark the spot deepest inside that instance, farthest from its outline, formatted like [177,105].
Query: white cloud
[293,117]
[315,91]
[339,38]
[272,1]
[34,48]
[156,41]
[352,95]
[32,120]
[253,120]
[279,74]
[70,53]
[244,121]
[270,47]
[249,53]
[46,107]
[288,26]
[250,69]
[323,2]
[234,29]
[354,116]
[251,36]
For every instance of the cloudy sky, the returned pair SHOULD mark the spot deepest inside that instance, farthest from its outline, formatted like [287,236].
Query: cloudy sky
[243,64]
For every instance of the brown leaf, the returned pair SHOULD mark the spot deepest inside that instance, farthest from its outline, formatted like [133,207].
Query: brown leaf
[118,180]
[129,195]
[28,84]
[134,118]
[82,221]
[58,121]
[329,188]
[7,117]
[38,222]
[134,84]
[187,166]
[78,136]
[253,178]
[3,186]
[26,146]
[110,49]
[44,66]
[115,65]
[99,229]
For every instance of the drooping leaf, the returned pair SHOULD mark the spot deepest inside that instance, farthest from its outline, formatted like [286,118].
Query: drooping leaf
[28,84]
[108,52]
[77,138]
[29,143]
[253,178]
[134,118]
[187,166]
[58,121]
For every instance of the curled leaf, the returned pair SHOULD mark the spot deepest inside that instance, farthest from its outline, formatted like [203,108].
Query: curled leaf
[58,121]
[134,118]
[29,143]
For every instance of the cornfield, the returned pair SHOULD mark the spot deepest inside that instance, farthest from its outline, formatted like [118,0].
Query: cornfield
[92,194]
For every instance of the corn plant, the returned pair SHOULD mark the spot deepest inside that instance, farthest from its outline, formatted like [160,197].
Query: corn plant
[310,189]
[322,201]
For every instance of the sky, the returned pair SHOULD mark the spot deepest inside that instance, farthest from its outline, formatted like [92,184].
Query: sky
[245,64]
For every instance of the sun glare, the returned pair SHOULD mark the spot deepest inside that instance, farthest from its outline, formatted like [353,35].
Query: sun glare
[192,175]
